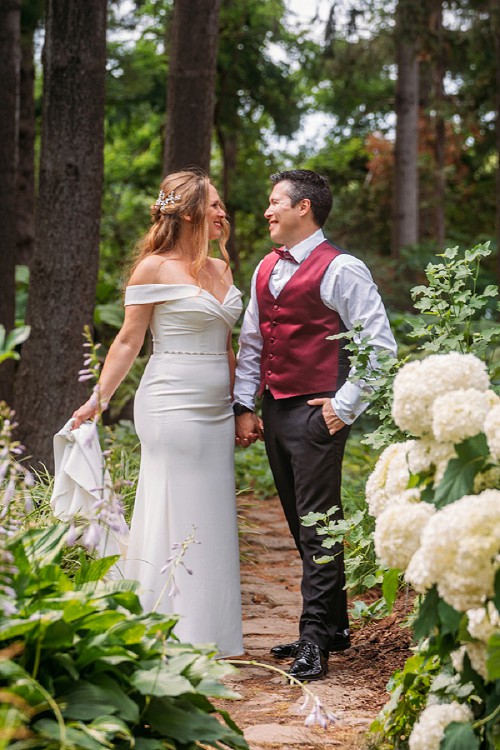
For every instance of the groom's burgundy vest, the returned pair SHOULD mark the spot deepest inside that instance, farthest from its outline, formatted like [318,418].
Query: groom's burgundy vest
[297,358]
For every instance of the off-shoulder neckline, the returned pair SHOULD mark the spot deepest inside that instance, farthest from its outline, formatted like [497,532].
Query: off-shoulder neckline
[191,286]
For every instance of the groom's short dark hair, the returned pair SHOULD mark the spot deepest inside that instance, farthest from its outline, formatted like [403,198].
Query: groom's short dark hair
[305,183]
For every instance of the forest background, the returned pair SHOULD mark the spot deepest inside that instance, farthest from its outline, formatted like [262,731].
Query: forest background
[409,92]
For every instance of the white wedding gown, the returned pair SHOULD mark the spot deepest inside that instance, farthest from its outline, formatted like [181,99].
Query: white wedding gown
[185,423]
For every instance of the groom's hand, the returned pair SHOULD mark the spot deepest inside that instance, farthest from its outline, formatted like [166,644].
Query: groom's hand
[333,422]
[249,428]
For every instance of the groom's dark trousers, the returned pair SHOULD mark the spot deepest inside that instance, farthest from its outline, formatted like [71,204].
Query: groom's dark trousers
[306,462]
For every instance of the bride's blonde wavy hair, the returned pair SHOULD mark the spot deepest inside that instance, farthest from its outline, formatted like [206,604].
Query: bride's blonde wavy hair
[184,194]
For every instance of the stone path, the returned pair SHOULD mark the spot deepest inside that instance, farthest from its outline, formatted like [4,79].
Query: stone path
[354,690]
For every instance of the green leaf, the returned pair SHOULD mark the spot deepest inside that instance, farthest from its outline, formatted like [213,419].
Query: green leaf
[187,724]
[427,618]
[450,618]
[458,479]
[160,682]
[493,657]
[94,570]
[496,599]
[17,336]
[86,701]
[75,738]
[390,585]
[459,736]
[44,546]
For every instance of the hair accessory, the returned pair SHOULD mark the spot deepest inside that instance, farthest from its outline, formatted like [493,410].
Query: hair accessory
[164,201]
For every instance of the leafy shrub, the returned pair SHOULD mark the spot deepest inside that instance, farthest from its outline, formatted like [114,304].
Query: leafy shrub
[83,667]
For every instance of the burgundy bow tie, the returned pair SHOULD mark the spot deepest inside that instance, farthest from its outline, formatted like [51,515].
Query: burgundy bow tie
[285,254]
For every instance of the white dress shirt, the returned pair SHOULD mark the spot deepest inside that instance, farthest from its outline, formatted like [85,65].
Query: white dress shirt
[346,287]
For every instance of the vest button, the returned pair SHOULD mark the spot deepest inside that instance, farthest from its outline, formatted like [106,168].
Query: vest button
[271,356]
[268,372]
[272,340]
[276,307]
[273,323]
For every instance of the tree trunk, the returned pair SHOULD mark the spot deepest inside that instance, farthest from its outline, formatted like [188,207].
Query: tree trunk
[27,129]
[405,200]
[193,46]
[229,149]
[65,260]
[495,19]
[10,24]
[439,124]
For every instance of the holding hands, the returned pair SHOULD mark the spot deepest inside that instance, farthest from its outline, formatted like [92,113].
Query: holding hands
[249,428]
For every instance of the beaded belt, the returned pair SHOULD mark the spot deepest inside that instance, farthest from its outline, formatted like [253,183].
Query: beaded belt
[205,354]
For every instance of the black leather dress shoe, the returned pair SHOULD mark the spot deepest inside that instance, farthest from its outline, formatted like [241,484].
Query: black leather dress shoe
[341,642]
[309,664]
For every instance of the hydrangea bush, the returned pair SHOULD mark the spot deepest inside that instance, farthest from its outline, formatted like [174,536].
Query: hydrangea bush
[436,501]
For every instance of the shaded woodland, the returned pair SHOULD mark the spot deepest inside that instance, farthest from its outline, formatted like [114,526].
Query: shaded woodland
[410,92]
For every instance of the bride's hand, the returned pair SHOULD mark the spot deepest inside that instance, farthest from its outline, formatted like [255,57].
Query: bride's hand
[87,411]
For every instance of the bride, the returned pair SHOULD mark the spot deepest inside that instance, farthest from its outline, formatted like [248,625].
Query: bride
[183,413]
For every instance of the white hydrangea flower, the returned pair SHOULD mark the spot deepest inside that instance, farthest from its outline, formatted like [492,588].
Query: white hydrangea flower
[483,622]
[476,651]
[489,479]
[398,531]
[492,431]
[387,484]
[419,383]
[457,659]
[459,551]
[426,453]
[460,414]
[429,730]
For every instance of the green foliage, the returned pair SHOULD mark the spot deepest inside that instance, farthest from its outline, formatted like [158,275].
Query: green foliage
[252,471]
[409,688]
[455,311]
[82,666]
[9,342]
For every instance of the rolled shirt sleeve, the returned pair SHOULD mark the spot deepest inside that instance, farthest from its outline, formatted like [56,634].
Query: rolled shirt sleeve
[348,288]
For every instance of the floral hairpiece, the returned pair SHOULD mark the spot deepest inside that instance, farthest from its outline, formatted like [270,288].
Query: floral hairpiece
[164,201]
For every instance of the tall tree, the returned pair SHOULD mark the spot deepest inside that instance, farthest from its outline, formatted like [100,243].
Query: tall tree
[193,44]
[31,15]
[10,23]
[64,267]
[405,198]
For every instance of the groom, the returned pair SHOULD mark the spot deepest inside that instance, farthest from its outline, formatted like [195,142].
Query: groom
[303,292]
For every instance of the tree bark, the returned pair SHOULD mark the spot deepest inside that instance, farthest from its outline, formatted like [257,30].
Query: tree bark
[30,17]
[405,199]
[193,47]
[10,24]
[495,19]
[65,260]
[439,124]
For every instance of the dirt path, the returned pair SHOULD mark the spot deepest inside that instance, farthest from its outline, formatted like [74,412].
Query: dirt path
[354,690]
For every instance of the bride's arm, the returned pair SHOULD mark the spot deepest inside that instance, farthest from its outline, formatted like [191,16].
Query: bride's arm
[232,363]
[118,362]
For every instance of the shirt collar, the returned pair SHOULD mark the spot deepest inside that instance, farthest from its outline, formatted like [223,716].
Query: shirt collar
[305,248]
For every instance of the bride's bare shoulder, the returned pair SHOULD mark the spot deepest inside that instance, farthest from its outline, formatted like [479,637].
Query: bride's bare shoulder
[147,270]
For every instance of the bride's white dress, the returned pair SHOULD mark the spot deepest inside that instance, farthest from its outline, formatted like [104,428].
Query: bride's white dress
[185,423]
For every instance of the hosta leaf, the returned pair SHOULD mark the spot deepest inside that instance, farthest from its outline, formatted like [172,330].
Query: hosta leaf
[187,724]
[44,546]
[75,738]
[86,701]
[94,570]
[160,682]
[101,621]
